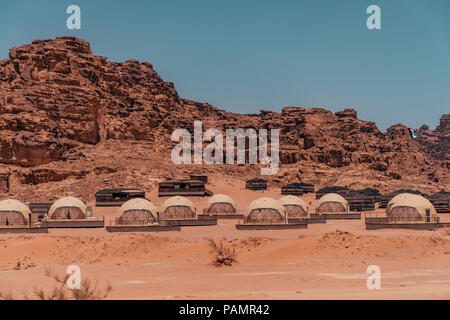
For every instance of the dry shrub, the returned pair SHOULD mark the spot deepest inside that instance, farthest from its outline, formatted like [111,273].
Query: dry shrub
[6,296]
[87,291]
[222,255]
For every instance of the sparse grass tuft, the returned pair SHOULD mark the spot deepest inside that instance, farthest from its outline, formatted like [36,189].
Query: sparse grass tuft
[222,255]
[87,291]
[6,296]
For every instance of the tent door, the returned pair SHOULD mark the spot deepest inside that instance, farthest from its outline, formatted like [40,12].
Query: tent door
[427,212]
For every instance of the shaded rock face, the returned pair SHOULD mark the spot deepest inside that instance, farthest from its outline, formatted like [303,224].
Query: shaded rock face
[436,142]
[4,182]
[59,103]
[55,94]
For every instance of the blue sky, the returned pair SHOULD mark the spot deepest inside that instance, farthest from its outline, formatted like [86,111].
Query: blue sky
[244,56]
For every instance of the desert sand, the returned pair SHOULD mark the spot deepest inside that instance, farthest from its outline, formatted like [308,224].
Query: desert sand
[73,123]
[324,261]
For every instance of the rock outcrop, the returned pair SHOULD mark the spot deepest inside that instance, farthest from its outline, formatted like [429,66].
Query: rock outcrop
[436,142]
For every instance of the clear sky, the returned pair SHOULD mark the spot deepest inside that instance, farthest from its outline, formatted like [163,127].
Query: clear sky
[244,56]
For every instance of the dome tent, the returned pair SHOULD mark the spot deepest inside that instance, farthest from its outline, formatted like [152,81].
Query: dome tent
[332,203]
[137,211]
[265,211]
[221,204]
[68,208]
[294,206]
[410,207]
[14,213]
[177,208]
[399,196]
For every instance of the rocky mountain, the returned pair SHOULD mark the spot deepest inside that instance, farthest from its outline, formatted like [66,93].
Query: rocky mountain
[437,142]
[70,120]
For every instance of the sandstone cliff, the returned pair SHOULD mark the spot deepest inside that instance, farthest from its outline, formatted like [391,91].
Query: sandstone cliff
[71,121]
[436,142]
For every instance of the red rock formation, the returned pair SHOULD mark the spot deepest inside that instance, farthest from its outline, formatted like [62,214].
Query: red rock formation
[436,142]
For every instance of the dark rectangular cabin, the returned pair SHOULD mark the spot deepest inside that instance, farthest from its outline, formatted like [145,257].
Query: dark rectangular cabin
[199,177]
[360,204]
[441,206]
[38,211]
[116,197]
[358,200]
[307,187]
[297,188]
[343,191]
[292,189]
[182,187]
[256,184]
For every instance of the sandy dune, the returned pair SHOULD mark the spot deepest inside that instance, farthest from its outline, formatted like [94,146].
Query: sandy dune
[325,261]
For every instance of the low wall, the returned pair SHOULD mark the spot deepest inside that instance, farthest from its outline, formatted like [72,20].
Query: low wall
[109,203]
[444,225]
[74,223]
[412,226]
[297,220]
[336,216]
[190,223]
[311,220]
[24,230]
[342,216]
[377,220]
[271,226]
[316,219]
[221,216]
[142,228]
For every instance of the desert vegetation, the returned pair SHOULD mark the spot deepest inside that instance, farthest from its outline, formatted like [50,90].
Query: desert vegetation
[88,290]
[223,255]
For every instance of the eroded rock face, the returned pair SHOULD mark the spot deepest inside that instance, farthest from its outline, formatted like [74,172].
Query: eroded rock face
[4,181]
[59,103]
[436,142]
[55,94]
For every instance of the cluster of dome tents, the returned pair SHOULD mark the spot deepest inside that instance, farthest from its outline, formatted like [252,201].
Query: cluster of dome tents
[16,213]
[141,211]
[260,211]
[287,210]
